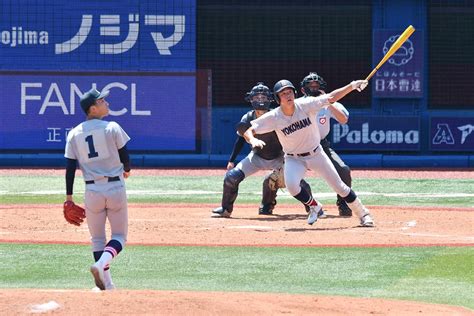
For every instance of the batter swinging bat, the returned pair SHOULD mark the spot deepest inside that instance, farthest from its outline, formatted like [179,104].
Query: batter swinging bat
[398,43]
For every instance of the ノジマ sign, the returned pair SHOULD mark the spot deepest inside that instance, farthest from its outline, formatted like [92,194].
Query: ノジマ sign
[59,35]
[395,133]
[39,110]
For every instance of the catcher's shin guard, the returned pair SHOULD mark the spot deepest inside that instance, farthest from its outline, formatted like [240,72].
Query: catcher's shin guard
[344,209]
[232,179]
[269,193]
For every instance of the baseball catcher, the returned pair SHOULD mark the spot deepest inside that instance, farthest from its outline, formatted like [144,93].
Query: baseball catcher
[268,158]
[314,85]
[73,213]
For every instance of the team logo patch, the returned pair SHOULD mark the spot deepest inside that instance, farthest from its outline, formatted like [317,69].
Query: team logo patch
[322,120]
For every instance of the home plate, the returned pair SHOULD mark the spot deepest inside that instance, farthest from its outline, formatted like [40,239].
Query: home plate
[250,227]
[44,308]
[409,224]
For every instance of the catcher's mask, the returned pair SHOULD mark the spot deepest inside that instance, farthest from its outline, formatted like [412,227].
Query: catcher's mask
[260,97]
[280,85]
[310,78]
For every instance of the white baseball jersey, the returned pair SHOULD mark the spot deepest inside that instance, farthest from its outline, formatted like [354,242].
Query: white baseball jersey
[324,117]
[94,144]
[298,133]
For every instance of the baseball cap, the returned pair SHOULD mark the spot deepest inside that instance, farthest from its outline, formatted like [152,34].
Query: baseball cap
[91,96]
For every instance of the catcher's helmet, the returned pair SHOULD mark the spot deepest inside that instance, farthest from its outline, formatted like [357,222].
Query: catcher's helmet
[280,85]
[313,77]
[260,97]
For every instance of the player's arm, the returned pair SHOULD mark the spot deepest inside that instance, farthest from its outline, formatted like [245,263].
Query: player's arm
[71,166]
[340,93]
[125,160]
[339,112]
[238,145]
[249,136]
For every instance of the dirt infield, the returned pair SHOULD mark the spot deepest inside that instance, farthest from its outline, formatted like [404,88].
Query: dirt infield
[123,302]
[185,224]
[181,224]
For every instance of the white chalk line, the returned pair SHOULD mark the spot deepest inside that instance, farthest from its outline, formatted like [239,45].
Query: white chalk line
[281,194]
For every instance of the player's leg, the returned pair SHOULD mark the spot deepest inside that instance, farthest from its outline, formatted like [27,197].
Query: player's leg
[344,172]
[272,182]
[295,170]
[117,213]
[232,179]
[323,165]
[94,203]
[305,186]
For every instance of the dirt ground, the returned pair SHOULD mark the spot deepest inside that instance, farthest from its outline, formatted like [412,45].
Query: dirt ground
[181,224]
[123,302]
[184,224]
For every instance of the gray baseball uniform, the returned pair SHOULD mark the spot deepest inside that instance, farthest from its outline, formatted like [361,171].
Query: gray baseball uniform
[300,138]
[94,144]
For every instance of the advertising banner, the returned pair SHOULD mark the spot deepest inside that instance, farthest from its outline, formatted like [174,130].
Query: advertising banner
[452,134]
[157,111]
[402,74]
[120,35]
[377,133]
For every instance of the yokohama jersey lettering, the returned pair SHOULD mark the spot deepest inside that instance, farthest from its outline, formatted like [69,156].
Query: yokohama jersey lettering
[296,126]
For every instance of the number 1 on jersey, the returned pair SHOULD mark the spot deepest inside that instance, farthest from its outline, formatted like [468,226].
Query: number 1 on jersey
[92,153]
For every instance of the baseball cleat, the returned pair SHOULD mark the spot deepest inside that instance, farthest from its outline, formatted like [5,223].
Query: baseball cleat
[98,274]
[313,214]
[266,209]
[110,287]
[367,221]
[322,214]
[221,212]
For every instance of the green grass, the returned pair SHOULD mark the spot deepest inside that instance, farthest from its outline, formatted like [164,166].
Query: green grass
[440,275]
[193,189]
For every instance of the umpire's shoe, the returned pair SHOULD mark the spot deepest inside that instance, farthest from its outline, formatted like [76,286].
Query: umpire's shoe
[221,212]
[266,209]
[344,209]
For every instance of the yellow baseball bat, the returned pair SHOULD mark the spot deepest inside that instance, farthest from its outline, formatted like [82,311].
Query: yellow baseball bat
[398,43]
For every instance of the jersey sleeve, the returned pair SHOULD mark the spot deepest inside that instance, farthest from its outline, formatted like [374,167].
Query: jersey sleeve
[340,107]
[265,123]
[69,151]
[244,123]
[121,138]
[313,105]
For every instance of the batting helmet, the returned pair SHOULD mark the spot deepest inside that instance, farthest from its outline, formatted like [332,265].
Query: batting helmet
[264,97]
[280,85]
[310,78]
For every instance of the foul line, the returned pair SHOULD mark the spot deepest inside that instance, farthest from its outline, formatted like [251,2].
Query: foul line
[58,242]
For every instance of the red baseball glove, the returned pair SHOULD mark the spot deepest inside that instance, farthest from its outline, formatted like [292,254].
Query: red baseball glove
[74,214]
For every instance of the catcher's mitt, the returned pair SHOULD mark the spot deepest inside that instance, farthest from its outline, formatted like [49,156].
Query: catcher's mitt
[277,179]
[74,214]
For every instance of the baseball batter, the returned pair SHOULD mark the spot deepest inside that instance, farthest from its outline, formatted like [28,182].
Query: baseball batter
[99,147]
[314,85]
[268,158]
[293,122]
